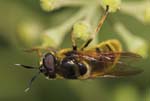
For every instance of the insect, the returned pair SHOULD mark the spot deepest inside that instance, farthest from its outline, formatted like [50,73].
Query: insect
[103,60]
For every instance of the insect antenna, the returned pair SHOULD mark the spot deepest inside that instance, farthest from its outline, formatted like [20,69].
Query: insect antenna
[33,78]
[31,81]
[25,66]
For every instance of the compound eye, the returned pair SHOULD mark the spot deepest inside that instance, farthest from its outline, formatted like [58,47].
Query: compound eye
[49,62]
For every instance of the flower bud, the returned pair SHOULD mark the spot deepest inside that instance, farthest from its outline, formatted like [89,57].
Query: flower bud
[147,14]
[28,32]
[81,30]
[47,5]
[114,5]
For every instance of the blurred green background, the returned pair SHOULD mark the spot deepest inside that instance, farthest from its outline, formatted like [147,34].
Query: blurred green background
[21,24]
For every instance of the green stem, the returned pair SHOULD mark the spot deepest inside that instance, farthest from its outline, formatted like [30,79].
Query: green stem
[70,3]
[59,32]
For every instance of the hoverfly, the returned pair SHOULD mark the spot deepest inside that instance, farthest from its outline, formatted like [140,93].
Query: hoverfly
[103,60]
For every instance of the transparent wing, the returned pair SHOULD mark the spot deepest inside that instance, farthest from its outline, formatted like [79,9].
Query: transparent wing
[124,56]
[122,67]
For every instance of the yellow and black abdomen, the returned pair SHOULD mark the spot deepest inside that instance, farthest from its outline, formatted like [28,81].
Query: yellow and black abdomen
[109,46]
[106,56]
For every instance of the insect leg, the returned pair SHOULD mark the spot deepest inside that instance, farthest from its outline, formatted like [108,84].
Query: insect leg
[39,50]
[74,46]
[97,28]
[110,49]
[98,50]
[35,49]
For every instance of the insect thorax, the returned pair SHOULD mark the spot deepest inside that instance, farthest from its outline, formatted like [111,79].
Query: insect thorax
[71,66]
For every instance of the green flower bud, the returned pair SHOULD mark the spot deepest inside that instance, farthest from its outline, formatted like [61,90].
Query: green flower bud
[47,5]
[81,30]
[28,33]
[114,5]
[147,14]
